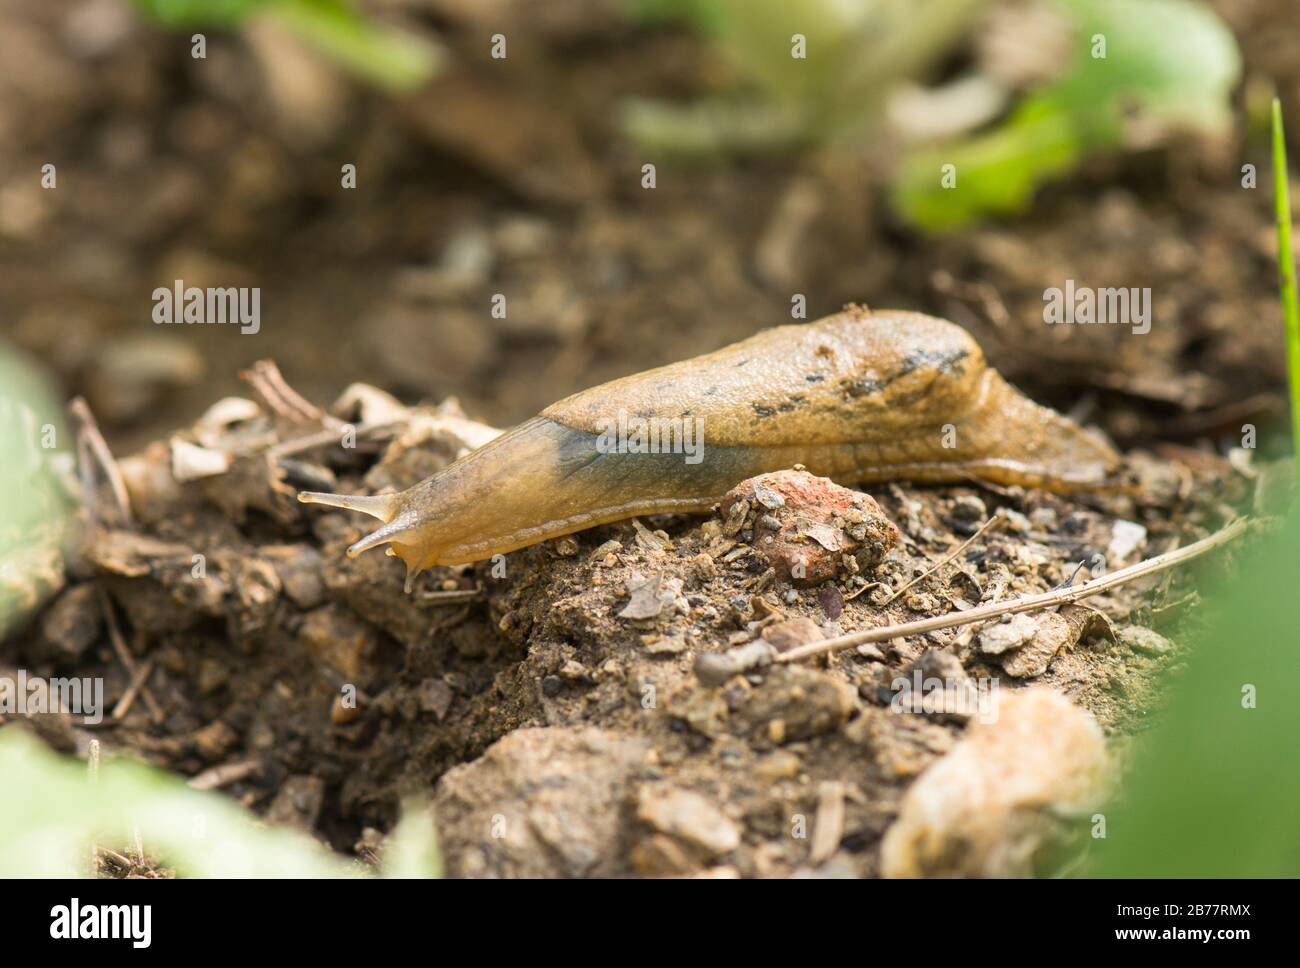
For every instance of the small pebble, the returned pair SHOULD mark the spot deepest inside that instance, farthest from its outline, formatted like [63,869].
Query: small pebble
[969,509]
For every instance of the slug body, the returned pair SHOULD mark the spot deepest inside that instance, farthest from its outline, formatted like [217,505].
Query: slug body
[859,397]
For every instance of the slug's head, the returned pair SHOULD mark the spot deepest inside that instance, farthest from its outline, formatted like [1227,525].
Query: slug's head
[401,530]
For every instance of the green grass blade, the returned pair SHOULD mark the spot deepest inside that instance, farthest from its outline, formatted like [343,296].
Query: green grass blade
[1286,275]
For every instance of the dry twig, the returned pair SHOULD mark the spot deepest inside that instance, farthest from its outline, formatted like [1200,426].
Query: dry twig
[92,451]
[324,438]
[286,402]
[946,558]
[1027,603]
[124,654]
[223,774]
[142,674]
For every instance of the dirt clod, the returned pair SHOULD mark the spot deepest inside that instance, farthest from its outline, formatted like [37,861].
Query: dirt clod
[689,818]
[810,525]
[541,802]
[987,807]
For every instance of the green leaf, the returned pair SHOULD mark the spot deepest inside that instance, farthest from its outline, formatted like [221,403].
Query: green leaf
[388,58]
[1171,63]
[1286,274]
[994,173]
[48,830]
[35,513]
[1214,790]
[199,13]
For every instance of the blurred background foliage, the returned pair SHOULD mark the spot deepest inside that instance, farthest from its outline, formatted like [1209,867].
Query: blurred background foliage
[1214,790]
[392,59]
[35,505]
[50,829]
[1130,72]
[1140,71]
[1127,73]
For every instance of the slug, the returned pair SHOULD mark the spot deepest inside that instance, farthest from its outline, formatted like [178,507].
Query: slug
[859,397]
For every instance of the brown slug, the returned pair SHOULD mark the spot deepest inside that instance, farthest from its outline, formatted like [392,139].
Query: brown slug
[859,397]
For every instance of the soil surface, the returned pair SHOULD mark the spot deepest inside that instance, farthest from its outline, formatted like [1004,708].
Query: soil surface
[549,704]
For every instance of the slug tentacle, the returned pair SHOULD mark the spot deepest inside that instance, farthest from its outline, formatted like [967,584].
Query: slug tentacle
[381,506]
[859,397]
[395,532]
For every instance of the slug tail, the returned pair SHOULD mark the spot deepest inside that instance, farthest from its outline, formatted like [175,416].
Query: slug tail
[1047,449]
[381,506]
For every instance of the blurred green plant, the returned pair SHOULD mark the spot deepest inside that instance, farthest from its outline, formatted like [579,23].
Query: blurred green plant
[1170,63]
[1286,274]
[49,829]
[1215,788]
[388,58]
[412,848]
[855,53]
[35,507]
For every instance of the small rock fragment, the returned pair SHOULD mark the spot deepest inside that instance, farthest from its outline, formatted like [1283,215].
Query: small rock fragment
[786,635]
[298,567]
[1144,640]
[828,826]
[805,703]
[689,818]
[215,740]
[540,802]
[612,546]
[298,804]
[648,597]
[658,855]
[339,640]
[1126,538]
[826,536]
[969,510]
[574,671]
[831,601]
[809,526]
[1057,632]
[1011,634]
[715,668]
[703,710]
[767,497]
[667,645]
[989,806]
[72,624]
[781,765]
[434,696]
